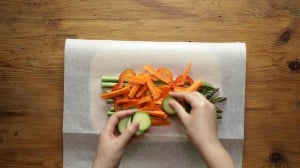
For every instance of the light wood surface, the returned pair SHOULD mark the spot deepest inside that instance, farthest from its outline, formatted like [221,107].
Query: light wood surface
[32,36]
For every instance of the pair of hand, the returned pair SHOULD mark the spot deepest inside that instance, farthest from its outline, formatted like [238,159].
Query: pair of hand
[200,126]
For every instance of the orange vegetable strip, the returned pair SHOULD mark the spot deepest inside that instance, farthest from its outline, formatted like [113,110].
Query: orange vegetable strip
[158,122]
[134,90]
[126,100]
[141,91]
[151,70]
[144,107]
[185,74]
[156,113]
[165,73]
[179,89]
[152,88]
[195,86]
[159,91]
[134,79]
[144,99]
[115,93]
[165,91]
[122,101]
[158,101]
[151,105]
[128,105]
[159,107]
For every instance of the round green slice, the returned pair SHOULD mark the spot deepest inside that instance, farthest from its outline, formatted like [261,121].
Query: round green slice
[122,125]
[143,119]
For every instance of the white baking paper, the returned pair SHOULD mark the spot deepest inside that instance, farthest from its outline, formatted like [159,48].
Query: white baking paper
[222,64]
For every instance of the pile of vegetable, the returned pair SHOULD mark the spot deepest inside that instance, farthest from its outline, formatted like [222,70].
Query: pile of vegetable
[148,91]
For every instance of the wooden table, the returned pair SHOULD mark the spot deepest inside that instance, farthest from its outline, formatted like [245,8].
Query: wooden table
[32,36]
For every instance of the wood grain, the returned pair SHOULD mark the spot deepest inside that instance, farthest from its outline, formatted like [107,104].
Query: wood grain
[32,36]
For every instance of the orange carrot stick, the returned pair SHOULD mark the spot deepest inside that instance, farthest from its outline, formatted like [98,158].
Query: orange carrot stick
[128,105]
[144,99]
[179,89]
[142,91]
[134,90]
[134,79]
[151,70]
[152,88]
[158,122]
[126,100]
[165,91]
[185,74]
[159,101]
[121,103]
[115,93]
[195,86]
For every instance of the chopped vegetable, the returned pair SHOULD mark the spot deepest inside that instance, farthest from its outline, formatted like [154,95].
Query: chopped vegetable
[143,119]
[123,124]
[148,91]
[109,79]
[185,74]
[115,93]
[159,122]
[166,105]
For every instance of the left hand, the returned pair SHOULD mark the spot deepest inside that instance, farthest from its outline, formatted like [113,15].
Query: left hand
[111,145]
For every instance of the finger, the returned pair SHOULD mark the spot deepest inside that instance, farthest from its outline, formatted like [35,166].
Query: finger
[192,98]
[180,111]
[116,117]
[129,133]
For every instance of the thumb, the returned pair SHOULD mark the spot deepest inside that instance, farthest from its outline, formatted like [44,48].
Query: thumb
[129,132]
[180,111]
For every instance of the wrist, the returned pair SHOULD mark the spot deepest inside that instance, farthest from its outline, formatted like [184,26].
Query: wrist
[105,162]
[207,144]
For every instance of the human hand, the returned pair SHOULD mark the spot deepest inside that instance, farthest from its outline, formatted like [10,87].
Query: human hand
[201,123]
[201,128]
[111,145]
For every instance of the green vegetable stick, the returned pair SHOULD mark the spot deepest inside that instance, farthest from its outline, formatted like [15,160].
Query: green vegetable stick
[108,84]
[109,78]
[110,101]
[110,113]
[112,109]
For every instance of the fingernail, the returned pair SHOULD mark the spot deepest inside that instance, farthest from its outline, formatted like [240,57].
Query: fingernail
[171,102]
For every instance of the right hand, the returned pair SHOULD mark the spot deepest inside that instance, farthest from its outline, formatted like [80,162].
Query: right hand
[201,128]
[201,123]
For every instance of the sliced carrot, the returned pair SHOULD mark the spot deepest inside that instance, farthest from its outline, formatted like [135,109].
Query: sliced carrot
[134,79]
[179,89]
[151,70]
[134,90]
[159,114]
[126,100]
[195,86]
[144,107]
[144,99]
[157,107]
[185,74]
[121,103]
[141,91]
[158,122]
[159,101]
[115,93]
[188,81]
[151,105]
[155,94]
[165,91]
[165,73]
[128,105]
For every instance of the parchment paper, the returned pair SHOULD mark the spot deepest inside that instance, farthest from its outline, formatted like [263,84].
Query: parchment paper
[222,64]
